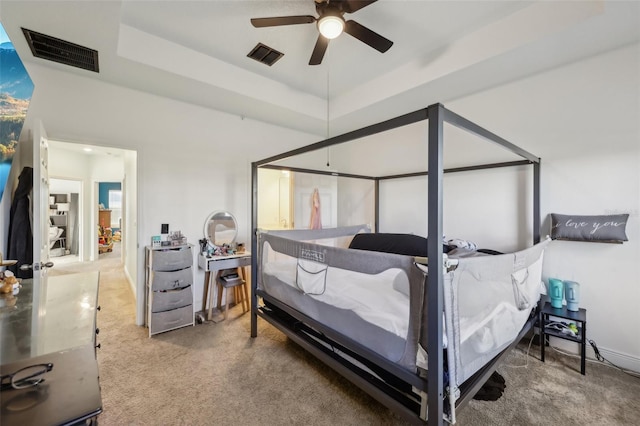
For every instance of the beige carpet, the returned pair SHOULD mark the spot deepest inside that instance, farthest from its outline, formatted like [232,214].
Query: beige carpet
[214,374]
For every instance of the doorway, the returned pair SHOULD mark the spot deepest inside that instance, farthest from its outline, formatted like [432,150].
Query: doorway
[90,165]
[275,199]
[284,199]
[110,210]
[65,226]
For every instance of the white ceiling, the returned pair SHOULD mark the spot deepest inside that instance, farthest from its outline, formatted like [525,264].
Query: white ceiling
[196,51]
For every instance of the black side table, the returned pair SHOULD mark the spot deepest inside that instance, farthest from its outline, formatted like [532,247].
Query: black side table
[579,318]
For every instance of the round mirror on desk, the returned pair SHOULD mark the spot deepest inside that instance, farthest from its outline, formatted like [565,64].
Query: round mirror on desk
[221,228]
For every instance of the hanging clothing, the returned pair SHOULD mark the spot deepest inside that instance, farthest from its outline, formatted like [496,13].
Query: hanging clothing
[316,213]
[20,243]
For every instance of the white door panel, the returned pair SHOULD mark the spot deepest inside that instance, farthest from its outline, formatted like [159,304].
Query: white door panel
[40,200]
[304,185]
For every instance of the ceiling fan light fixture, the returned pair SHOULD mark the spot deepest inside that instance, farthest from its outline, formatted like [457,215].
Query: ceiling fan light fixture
[331,26]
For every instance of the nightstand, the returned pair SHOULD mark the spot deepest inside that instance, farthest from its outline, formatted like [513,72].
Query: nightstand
[566,316]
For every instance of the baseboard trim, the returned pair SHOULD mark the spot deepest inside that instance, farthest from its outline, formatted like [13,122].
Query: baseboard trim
[621,360]
[131,282]
[133,290]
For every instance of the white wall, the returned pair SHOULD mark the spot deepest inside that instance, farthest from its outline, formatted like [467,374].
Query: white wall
[356,202]
[480,206]
[191,160]
[583,120]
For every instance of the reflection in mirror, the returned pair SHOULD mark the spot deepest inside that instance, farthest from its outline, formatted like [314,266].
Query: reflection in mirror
[221,228]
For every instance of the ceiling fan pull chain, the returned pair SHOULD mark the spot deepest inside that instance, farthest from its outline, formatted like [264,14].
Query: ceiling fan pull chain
[328,134]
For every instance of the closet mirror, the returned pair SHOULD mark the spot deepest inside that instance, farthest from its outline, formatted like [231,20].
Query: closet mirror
[221,228]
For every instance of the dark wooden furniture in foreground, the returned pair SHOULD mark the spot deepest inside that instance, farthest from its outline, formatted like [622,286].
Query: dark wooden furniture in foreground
[53,320]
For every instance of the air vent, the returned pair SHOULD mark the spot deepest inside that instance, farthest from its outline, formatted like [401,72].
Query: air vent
[64,52]
[265,54]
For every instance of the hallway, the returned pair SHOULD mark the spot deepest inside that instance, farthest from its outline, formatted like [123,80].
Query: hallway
[114,291]
[107,262]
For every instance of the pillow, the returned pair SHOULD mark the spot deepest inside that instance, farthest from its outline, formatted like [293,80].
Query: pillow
[406,244]
[604,228]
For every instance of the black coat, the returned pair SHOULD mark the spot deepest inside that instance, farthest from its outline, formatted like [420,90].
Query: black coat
[20,245]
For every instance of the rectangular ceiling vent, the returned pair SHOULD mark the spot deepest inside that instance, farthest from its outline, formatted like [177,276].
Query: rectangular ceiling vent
[265,54]
[64,52]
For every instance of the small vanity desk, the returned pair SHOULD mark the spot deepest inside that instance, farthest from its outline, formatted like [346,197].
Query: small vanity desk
[213,266]
[220,231]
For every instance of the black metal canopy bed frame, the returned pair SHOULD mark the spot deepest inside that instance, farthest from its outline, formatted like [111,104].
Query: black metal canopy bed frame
[418,395]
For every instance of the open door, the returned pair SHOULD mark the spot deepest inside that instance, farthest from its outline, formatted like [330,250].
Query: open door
[40,231]
[40,201]
[303,188]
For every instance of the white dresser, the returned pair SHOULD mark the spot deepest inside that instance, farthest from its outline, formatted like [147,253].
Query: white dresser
[169,275]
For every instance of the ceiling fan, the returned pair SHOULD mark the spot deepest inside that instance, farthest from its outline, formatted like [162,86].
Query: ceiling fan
[331,24]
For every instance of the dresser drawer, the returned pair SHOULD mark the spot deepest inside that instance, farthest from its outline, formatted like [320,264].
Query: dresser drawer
[171,260]
[168,320]
[169,280]
[233,262]
[171,299]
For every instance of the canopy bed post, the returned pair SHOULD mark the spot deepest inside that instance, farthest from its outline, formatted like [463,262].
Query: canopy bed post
[433,296]
[536,202]
[254,249]
[376,214]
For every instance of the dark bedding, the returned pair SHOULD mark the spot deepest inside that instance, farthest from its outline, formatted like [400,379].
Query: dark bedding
[405,244]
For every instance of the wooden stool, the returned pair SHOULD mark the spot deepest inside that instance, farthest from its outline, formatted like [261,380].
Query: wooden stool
[240,291]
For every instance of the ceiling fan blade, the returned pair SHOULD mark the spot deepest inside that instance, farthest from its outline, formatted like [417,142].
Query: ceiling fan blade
[282,20]
[318,52]
[367,36]
[350,6]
